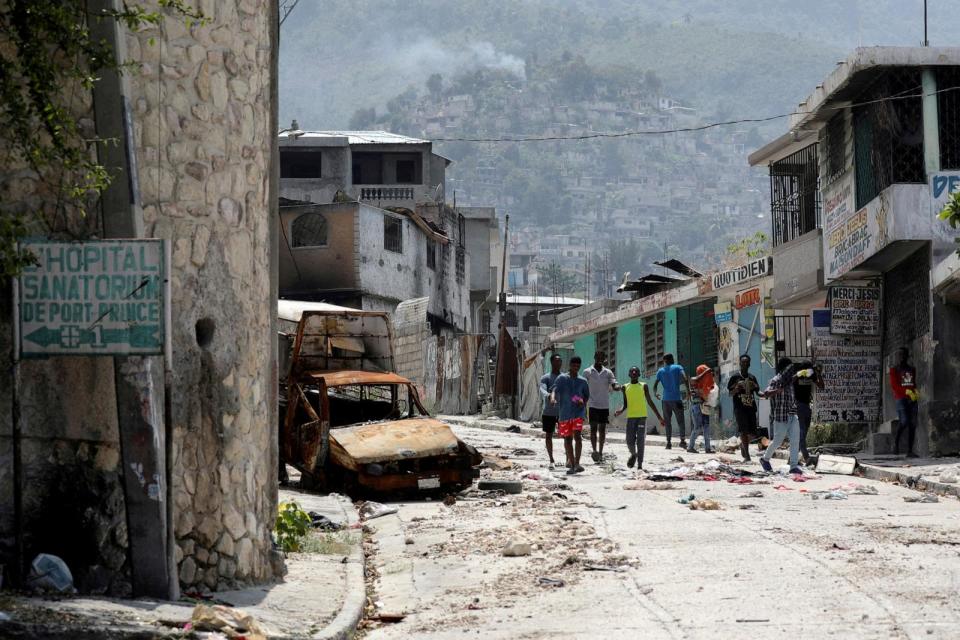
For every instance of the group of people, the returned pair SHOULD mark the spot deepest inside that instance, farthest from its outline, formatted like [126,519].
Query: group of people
[567,397]
[570,398]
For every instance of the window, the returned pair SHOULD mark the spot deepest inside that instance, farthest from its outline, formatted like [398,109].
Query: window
[406,171]
[888,134]
[393,234]
[461,229]
[461,264]
[835,148]
[300,164]
[652,343]
[948,109]
[431,254]
[309,230]
[795,195]
[607,343]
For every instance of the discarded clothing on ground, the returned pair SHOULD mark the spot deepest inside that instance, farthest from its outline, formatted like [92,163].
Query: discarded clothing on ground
[924,497]
[371,510]
[232,623]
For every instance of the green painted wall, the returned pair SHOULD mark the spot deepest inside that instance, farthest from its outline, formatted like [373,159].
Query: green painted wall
[584,346]
[629,348]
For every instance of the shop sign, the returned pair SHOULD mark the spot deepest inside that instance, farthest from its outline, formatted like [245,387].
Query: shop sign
[855,310]
[852,372]
[722,313]
[748,298]
[750,271]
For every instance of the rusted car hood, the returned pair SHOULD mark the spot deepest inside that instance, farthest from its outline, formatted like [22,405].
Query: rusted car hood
[393,440]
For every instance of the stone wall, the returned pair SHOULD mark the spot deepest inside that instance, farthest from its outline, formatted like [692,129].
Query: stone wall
[202,121]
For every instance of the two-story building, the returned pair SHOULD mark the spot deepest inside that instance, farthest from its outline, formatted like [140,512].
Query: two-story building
[856,183]
[364,223]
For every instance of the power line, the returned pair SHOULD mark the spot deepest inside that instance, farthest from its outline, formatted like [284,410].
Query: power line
[711,125]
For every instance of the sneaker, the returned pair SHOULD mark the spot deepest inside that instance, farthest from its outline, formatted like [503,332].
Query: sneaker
[669,445]
[747,459]
[796,470]
[683,444]
[631,460]
[765,464]
[596,456]
[580,469]
[691,450]
[709,451]
[571,471]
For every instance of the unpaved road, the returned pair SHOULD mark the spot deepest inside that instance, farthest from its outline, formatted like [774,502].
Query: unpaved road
[778,566]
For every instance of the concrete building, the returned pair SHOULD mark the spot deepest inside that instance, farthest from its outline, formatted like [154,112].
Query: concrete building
[357,255]
[374,167]
[485,248]
[856,182]
[202,120]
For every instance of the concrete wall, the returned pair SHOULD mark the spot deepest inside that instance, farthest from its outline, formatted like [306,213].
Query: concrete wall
[331,267]
[205,154]
[798,268]
[335,173]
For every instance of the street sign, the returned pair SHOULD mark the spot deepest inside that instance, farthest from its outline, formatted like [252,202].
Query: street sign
[104,297]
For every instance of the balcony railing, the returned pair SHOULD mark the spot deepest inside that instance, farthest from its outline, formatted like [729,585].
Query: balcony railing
[386,193]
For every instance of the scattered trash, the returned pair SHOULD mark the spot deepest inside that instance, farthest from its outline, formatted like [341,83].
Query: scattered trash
[677,459]
[661,477]
[753,620]
[515,549]
[450,500]
[514,428]
[747,506]
[782,487]
[507,486]
[690,498]
[408,540]
[949,477]
[751,494]
[389,617]
[839,547]
[530,475]
[371,510]
[4,617]
[865,490]
[647,485]
[50,573]
[740,480]
[523,453]
[829,495]
[601,567]
[843,465]
[232,623]
[550,582]
[320,521]
[730,445]
[925,497]
[497,462]
[705,505]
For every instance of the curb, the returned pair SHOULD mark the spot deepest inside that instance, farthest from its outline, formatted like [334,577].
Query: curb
[910,481]
[344,624]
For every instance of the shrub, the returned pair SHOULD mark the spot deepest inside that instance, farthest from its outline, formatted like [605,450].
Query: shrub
[293,524]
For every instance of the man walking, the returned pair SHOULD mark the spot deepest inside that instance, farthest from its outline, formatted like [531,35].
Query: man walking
[671,376]
[807,377]
[903,383]
[783,409]
[571,393]
[602,382]
[548,419]
[703,399]
[636,399]
[743,386]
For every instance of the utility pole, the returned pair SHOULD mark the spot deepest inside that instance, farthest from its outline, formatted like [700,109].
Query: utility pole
[926,40]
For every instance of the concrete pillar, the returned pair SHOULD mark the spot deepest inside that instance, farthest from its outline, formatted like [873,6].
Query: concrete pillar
[931,123]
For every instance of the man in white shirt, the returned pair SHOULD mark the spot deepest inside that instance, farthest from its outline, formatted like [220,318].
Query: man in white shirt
[601,381]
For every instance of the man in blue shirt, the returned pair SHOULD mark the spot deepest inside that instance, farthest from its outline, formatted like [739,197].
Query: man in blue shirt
[570,394]
[548,418]
[671,376]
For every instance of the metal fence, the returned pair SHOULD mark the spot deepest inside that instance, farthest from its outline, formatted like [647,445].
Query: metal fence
[790,337]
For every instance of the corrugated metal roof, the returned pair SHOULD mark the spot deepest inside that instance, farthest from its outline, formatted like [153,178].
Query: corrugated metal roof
[357,137]
[544,300]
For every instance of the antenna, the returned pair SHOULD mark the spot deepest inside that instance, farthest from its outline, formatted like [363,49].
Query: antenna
[926,41]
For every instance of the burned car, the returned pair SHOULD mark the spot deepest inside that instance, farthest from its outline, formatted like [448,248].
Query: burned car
[350,427]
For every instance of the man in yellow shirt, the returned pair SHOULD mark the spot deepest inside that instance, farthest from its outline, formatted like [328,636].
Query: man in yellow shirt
[636,399]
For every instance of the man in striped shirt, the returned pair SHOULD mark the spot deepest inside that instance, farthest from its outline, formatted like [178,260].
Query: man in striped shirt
[783,408]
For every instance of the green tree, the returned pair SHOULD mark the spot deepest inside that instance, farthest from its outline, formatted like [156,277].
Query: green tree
[48,58]
[951,214]
[748,248]
[555,281]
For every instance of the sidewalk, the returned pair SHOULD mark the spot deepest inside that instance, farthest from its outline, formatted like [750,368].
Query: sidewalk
[322,596]
[922,474]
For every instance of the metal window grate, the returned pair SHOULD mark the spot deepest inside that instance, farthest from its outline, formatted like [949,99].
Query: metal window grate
[431,254]
[835,148]
[906,311]
[948,109]
[392,234]
[795,195]
[309,230]
[461,264]
[653,340]
[888,134]
[607,343]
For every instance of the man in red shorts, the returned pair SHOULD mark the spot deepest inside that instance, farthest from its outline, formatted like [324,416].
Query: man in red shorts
[571,393]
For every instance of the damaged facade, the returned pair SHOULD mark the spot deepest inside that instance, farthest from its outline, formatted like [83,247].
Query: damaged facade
[201,113]
[856,185]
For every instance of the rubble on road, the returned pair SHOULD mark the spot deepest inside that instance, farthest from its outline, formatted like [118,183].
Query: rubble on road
[648,485]
[232,623]
[923,497]
[516,549]
[705,505]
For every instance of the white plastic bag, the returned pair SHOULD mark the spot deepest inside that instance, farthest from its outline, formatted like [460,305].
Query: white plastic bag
[50,573]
